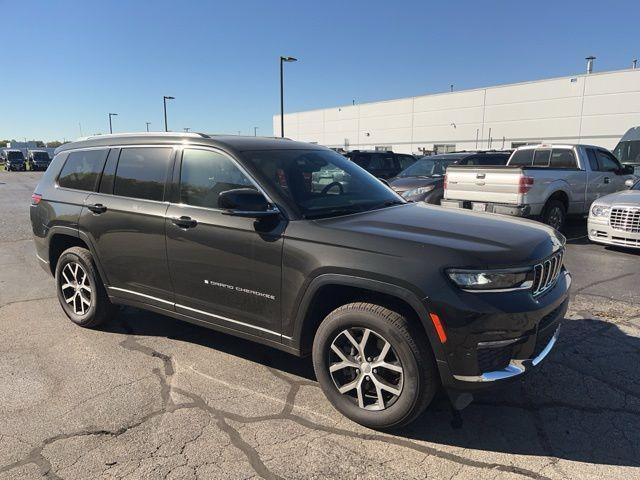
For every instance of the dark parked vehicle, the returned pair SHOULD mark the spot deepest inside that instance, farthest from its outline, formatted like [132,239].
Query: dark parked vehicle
[424,180]
[38,160]
[14,160]
[392,299]
[381,164]
[628,149]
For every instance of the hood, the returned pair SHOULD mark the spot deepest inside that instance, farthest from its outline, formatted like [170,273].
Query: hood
[402,184]
[478,240]
[625,197]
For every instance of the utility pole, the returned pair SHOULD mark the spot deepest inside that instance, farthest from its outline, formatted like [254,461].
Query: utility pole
[282,60]
[110,125]
[164,100]
[147,123]
[255,131]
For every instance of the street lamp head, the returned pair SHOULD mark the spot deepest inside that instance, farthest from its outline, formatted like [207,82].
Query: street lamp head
[169,98]
[113,114]
[288,59]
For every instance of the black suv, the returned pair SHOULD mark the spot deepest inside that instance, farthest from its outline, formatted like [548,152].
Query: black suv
[14,160]
[38,160]
[424,180]
[245,235]
[381,164]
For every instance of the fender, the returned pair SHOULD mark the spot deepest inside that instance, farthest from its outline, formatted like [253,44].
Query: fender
[411,298]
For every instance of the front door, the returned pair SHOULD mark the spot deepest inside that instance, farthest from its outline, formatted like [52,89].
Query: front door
[225,269]
[125,220]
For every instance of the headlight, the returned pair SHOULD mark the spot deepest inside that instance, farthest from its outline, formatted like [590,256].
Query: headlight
[492,279]
[418,191]
[600,210]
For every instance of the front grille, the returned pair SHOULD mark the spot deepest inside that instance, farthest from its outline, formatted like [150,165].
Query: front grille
[547,272]
[492,359]
[625,219]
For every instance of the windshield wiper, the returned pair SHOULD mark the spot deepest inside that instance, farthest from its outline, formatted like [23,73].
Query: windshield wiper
[387,203]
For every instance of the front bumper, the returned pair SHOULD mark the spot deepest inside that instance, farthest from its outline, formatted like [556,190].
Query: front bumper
[600,231]
[488,207]
[495,337]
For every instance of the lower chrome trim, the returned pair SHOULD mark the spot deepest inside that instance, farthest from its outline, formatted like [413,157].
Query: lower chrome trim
[141,295]
[202,312]
[46,262]
[515,367]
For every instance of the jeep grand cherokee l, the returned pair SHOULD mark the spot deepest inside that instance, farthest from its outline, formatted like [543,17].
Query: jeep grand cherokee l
[245,235]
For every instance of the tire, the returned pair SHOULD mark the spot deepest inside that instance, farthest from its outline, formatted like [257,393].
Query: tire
[409,349]
[554,214]
[93,306]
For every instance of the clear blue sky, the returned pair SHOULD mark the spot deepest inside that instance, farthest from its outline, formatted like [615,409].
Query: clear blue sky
[66,62]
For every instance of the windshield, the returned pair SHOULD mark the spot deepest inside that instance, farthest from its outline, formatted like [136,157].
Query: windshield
[40,156]
[322,183]
[15,156]
[428,167]
[628,152]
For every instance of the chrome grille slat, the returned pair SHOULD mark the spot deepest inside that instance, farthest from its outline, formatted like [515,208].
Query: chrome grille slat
[625,219]
[546,273]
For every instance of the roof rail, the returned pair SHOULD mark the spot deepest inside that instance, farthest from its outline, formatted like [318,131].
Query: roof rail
[144,134]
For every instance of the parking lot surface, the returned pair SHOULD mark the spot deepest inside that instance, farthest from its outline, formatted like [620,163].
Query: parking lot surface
[146,396]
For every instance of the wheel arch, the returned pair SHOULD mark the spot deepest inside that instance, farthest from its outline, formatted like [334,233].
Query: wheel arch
[60,239]
[329,291]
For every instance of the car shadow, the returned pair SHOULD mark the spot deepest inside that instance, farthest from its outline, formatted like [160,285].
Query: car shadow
[582,404]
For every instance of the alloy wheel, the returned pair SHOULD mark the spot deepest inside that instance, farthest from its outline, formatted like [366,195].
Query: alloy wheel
[555,218]
[76,289]
[364,367]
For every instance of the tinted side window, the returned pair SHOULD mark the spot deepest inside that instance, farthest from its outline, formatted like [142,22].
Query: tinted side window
[593,160]
[82,169]
[406,161]
[142,172]
[381,162]
[562,158]
[361,160]
[522,158]
[607,162]
[492,159]
[206,174]
[541,158]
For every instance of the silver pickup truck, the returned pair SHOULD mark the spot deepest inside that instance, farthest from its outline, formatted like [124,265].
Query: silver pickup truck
[544,181]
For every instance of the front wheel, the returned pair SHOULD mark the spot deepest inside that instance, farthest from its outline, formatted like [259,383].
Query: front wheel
[374,365]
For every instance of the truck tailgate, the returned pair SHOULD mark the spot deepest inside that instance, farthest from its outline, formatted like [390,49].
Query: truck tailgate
[484,184]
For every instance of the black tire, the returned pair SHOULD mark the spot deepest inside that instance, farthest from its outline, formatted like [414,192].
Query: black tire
[554,214]
[99,308]
[410,349]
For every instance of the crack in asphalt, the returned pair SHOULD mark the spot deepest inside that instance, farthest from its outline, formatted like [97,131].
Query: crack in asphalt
[600,282]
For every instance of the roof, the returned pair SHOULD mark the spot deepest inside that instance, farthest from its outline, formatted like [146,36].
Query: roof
[555,145]
[236,143]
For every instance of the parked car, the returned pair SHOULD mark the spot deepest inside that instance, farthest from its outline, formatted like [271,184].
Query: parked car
[381,164]
[540,181]
[628,149]
[392,299]
[615,219]
[424,180]
[38,160]
[14,160]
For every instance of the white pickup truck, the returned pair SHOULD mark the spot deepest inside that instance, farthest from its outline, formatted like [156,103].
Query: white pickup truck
[545,181]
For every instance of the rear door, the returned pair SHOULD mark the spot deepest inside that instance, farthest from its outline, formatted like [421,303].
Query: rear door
[225,269]
[125,220]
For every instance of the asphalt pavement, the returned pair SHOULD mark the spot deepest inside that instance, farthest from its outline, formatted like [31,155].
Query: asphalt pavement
[146,396]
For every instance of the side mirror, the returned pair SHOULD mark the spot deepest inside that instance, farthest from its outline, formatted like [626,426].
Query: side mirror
[245,202]
[627,169]
[629,182]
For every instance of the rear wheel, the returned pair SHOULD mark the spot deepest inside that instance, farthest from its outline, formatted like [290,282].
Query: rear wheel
[80,290]
[554,214]
[374,365]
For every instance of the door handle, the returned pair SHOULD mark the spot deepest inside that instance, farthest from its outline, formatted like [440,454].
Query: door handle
[607,180]
[97,208]
[184,222]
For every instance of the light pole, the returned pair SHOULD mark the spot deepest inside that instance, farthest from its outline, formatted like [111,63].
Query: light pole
[147,123]
[164,100]
[255,131]
[110,125]
[282,60]
[186,129]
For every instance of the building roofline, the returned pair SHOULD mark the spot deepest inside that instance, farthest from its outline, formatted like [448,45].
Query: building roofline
[501,85]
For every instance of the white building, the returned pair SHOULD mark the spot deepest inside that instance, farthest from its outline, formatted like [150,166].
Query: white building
[595,108]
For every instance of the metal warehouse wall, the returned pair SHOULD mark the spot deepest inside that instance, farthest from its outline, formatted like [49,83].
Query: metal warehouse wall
[596,108]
